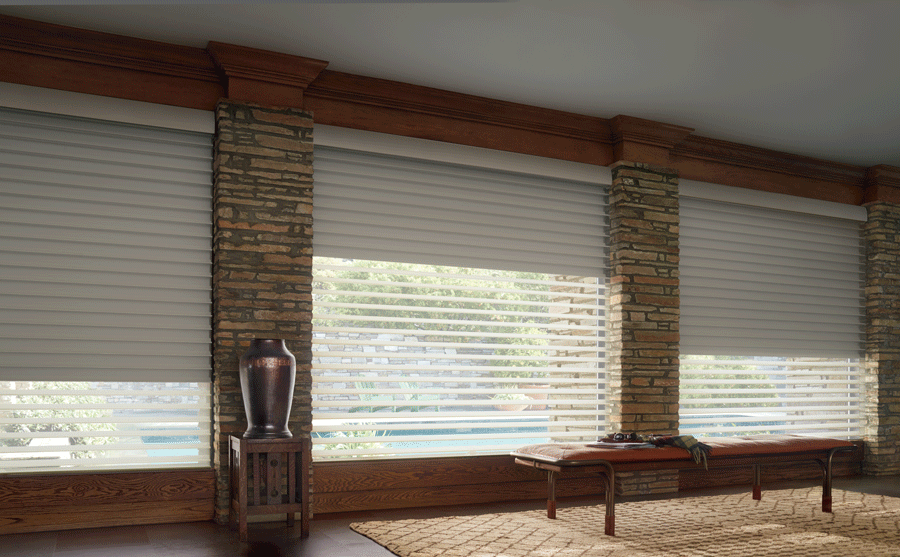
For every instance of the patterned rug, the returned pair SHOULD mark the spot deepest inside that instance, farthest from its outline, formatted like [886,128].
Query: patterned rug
[785,523]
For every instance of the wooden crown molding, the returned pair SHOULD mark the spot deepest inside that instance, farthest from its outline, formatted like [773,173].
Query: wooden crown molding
[80,45]
[882,184]
[67,58]
[737,154]
[426,100]
[646,141]
[404,109]
[262,76]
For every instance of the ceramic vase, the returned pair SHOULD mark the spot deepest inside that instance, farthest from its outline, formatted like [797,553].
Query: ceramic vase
[267,371]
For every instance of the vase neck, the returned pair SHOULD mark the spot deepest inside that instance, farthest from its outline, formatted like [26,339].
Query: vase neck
[268,342]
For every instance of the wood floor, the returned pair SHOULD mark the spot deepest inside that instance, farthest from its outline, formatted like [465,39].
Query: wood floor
[330,536]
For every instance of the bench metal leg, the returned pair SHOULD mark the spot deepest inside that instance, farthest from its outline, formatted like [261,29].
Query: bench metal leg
[826,483]
[609,478]
[610,475]
[757,482]
[827,476]
[551,494]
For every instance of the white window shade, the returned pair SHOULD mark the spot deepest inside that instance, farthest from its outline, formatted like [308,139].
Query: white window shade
[763,281]
[413,360]
[722,395]
[105,237]
[459,299]
[416,209]
[79,425]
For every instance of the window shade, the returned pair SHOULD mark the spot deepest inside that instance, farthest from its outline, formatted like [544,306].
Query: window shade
[79,426]
[759,281]
[450,361]
[458,299]
[420,210]
[106,237]
[723,395]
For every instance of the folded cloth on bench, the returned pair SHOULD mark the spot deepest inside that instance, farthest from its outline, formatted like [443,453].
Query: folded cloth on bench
[699,451]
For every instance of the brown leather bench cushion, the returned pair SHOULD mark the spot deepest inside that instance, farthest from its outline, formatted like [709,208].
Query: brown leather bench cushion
[719,447]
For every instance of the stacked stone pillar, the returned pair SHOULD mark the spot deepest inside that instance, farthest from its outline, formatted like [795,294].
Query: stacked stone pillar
[643,345]
[882,363]
[262,259]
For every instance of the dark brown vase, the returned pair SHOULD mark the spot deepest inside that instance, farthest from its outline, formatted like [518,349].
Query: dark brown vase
[267,372]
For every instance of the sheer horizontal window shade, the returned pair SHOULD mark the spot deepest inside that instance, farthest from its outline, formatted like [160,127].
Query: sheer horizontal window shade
[459,309]
[395,208]
[759,281]
[81,426]
[106,241]
[756,395]
[409,363]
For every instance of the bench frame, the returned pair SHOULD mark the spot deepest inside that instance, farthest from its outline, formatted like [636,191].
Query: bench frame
[607,470]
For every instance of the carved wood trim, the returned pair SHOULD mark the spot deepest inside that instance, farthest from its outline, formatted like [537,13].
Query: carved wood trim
[60,57]
[737,154]
[55,56]
[882,184]
[385,106]
[735,164]
[645,141]
[425,100]
[105,49]
[264,77]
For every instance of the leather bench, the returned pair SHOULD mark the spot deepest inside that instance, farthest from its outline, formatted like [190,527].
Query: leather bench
[725,452]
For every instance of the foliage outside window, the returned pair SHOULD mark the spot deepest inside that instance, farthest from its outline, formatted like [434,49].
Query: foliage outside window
[414,359]
[732,395]
[53,426]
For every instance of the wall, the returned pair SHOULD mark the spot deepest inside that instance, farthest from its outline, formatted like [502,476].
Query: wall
[262,259]
[263,199]
[882,365]
[642,357]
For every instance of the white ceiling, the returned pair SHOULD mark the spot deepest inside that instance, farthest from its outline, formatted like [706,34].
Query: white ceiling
[819,78]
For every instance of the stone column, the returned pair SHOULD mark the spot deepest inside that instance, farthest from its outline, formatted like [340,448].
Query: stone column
[643,349]
[262,259]
[882,361]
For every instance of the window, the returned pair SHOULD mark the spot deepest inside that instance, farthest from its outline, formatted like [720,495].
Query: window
[97,425]
[459,307]
[105,272]
[771,315]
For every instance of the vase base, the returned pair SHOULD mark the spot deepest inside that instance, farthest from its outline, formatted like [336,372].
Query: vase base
[267,435]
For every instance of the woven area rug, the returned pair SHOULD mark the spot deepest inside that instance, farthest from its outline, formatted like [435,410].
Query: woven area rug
[785,523]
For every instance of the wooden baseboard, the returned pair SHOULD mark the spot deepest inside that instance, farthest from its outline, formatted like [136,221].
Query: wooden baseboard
[348,487]
[34,503]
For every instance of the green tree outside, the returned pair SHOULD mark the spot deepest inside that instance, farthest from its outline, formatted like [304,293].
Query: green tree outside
[53,419]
